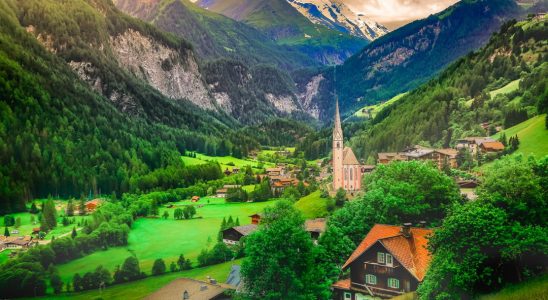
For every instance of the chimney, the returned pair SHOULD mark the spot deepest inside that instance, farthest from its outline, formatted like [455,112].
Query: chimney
[406,230]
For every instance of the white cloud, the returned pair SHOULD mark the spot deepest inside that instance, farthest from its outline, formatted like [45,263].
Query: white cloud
[398,10]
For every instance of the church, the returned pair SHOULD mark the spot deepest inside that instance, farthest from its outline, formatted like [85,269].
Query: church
[347,173]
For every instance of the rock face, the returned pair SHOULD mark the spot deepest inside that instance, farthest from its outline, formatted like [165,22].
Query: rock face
[307,96]
[286,104]
[336,15]
[174,74]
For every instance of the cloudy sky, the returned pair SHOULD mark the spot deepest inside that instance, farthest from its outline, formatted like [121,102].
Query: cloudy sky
[394,13]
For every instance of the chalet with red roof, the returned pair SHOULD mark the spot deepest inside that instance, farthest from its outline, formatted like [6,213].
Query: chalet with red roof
[390,261]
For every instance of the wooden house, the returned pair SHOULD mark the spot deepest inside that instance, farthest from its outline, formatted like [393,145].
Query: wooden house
[491,147]
[92,205]
[390,261]
[221,193]
[315,227]
[232,236]
[255,218]
[195,199]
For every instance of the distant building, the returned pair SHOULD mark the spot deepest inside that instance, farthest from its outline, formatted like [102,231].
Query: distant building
[491,147]
[235,170]
[390,261]
[347,172]
[232,236]
[16,242]
[278,171]
[221,193]
[256,218]
[438,156]
[92,205]
[195,199]
[472,144]
[366,169]
[190,289]
[315,227]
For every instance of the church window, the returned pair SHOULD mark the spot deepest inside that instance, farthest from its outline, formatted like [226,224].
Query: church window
[351,174]
[345,174]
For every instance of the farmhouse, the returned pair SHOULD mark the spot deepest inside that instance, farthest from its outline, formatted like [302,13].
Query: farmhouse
[195,199]
[92,205]
[347,173]
[190,289]
[232,236]
[390,261]
[16,242]
[472,144]
[437,156]
[222,192]
[279,184]
[315,227]
[491,147]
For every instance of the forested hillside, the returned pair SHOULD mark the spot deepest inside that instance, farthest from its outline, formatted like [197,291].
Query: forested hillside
[213,35]
[405,58]
[501,85]
[74,121]
[278,20]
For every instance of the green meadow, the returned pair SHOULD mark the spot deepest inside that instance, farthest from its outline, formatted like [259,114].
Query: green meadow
[153,238]
[141,288]
[532,134]
[510,87]
[362,113]
[536,288]
[225,161]
[312,206]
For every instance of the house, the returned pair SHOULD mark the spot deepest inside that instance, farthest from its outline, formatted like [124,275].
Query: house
[195,199]
[190,289]
[388,157]
[227,172]
[315,227]
[235,170]
[278,185]
[36,230]
[390,261]
[256,218]
[491,147]
[437,156]
[366,169]
[16,242]
[232,236]
[278,171]
[92,205]
[472,144]
[221,193]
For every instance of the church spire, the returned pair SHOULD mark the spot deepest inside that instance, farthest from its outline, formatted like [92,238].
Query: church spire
[337,129]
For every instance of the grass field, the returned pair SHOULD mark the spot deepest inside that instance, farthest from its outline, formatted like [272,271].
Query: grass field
[4,256]
[312,206]
[510,87]
[152,238]
[362,113]
[27,226]
[224,161]
[532,135]
[141,288]
[534,289]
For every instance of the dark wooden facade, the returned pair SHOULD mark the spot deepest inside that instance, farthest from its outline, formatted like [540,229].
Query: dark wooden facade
[368,264]
[231,236]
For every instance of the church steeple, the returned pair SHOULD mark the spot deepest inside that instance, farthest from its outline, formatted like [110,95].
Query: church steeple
[337,128]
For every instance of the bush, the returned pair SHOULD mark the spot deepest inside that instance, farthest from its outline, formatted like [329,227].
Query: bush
[159,267]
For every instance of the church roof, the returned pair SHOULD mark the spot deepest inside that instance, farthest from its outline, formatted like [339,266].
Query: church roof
[349,158]
[337,128]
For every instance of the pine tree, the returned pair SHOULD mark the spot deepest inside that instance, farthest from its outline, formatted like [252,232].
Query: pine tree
[181,262]
[6,232]
[49,215]
[73,234]
[230,222]
[70,208]
[237,223]
[82,206]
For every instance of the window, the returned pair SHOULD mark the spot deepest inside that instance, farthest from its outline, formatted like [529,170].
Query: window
[370,279]
[347,296]
[345,174]
[380,257]
[350,174]
[393,283]
[389,260]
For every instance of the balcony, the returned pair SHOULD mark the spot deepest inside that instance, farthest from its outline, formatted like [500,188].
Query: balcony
[376,291]
[381,269]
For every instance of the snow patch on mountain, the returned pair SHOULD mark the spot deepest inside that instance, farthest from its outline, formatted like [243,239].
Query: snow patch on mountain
[336,15]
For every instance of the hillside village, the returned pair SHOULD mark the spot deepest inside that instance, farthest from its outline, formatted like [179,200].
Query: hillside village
[241,150]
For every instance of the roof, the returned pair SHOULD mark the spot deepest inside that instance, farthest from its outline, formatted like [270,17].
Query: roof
[349,158]
[448,151]
[245,229]
[256,215]
[410,252]
[222,190]
[342,284]
[234,278]
[417,151]
[195,197]
[196,290]
[274,169]
[315,225]
[493,145]
[391,155]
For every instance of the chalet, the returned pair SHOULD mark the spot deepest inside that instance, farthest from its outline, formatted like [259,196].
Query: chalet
[438,156]
[256,218]
[221,193]
[278,186]
[472,144]
[278,171]
[16,242]
[390,261]
[195,199]
[491,147]
[190,289]
[36,230]
[235,170]
[92,205]
[232,236]
[366,169]
[388,157]
[315,227]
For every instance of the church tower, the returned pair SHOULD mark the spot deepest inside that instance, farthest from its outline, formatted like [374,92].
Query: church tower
[337,150]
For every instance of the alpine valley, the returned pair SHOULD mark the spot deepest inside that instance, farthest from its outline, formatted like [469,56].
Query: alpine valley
[273,149]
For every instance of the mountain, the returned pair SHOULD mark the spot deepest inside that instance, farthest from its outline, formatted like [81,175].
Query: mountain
[497,87]
[407,57]
[281,22]
[336,15]
[213,35]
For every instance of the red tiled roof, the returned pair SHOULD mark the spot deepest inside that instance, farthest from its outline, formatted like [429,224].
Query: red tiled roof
[410,252]
[342,284]
[493,145]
